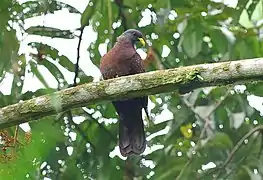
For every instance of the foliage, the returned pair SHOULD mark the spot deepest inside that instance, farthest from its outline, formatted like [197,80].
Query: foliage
[195,130]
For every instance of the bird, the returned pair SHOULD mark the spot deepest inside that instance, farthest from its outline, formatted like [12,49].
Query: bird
[123,60]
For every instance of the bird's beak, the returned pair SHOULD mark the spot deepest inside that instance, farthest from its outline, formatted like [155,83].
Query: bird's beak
[142,41]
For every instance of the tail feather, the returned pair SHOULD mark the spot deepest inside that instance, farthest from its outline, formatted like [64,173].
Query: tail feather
[131,133]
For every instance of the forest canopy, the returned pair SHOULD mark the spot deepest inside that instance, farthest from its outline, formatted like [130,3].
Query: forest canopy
[213,132]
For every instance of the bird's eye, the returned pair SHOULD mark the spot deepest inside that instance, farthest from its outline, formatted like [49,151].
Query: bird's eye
[134,33]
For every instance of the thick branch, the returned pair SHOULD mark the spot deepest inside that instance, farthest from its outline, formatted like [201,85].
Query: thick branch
[189,78]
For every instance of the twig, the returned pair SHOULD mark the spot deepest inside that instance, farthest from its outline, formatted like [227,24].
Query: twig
[78,57]
[242,159]
[81,132]
[207,118]
[235,149]
[191,107]
[218,103]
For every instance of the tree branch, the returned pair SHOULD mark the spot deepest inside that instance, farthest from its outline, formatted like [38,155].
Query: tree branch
[240,162]
[189,77]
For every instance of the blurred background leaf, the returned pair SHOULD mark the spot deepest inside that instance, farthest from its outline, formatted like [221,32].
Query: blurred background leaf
[191,135]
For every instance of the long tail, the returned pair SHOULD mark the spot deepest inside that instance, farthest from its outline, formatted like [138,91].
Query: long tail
[131,133]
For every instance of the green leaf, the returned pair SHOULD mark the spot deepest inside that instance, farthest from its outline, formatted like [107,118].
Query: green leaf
[72,172]
[192,39]
[109,111]
[85,79]
[54,54]
[101,136]
[256,88]
[55,102]
[8,49]
[252,7]
[258,14]
[88,12]
[19,72]
[6,100]
[219,40]
[38,8]
[238,13]
[53,69]
[169,168]
[45,136]
[245,20]
[243,51]
[35,71]
[50,32]
[181,4]
[29,94]
[260,165]
[220,140]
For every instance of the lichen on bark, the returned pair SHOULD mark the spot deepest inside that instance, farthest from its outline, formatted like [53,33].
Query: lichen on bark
[190,77]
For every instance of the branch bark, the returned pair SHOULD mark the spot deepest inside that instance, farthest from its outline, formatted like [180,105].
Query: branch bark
[189,78]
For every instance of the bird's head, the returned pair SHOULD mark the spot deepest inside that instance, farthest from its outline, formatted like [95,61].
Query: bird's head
[133,36]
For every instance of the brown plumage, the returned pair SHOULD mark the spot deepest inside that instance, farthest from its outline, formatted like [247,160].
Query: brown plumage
[123,60]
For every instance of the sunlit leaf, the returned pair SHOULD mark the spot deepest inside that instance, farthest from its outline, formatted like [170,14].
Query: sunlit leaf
[187,131]
[252,7]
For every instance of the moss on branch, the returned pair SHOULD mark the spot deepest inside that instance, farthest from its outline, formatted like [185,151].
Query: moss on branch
[189,77]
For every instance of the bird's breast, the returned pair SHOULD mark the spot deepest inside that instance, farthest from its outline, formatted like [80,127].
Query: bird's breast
[117,62]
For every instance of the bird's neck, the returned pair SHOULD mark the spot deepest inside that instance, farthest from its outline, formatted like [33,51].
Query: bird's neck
[124,43]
